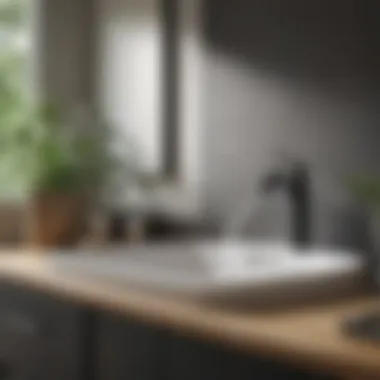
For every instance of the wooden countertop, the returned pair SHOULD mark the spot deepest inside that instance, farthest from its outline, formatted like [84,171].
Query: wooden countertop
[307,337]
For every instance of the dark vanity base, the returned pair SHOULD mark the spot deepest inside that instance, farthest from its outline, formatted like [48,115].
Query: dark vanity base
[43,338]
[130,350]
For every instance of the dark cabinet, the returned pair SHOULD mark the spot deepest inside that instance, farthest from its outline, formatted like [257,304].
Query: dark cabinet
[40,336]
[45,338]
[190,359]
[129,350]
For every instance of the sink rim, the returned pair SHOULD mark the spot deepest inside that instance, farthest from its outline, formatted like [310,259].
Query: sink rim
[187,281]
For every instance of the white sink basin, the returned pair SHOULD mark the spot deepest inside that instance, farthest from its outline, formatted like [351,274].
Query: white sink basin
[261,272]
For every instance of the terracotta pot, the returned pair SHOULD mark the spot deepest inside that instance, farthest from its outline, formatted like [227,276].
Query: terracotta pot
[57,220]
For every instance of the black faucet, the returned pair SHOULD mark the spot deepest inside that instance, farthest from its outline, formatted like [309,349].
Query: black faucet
[296,181]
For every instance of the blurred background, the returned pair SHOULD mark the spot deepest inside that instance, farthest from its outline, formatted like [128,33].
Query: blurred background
[204,97]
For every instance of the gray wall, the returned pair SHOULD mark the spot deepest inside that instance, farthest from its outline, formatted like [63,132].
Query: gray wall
[65,50]
[295,76]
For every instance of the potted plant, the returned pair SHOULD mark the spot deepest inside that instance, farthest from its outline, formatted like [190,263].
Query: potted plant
[366,188]
[66,164]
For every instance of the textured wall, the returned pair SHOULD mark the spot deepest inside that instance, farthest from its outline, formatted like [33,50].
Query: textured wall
[294,76]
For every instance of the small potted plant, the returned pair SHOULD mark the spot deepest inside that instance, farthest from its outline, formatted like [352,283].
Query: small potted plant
[67,165]
[366,188]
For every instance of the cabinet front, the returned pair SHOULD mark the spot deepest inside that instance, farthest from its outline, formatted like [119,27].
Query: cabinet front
[40,336]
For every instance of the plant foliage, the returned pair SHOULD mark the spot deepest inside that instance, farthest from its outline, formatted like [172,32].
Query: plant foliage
[367,189]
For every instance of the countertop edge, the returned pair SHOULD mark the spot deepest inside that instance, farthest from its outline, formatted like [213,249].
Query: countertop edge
[225,328]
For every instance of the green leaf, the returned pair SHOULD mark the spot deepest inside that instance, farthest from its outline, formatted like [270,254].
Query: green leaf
[367,189]
[13,12]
